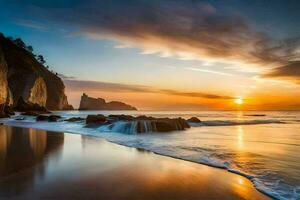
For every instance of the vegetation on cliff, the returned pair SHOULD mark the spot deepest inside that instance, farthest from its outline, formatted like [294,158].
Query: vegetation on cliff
[23,75]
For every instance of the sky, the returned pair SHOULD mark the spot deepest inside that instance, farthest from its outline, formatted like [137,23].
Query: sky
[167,54]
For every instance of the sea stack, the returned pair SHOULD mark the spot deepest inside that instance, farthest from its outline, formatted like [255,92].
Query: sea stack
[22,76]
[90,103]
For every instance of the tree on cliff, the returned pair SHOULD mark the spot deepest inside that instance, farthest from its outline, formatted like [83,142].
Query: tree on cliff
[19,42]
[41,59]
[30,48]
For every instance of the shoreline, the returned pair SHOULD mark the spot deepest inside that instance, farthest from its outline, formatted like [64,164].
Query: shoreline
[156,153]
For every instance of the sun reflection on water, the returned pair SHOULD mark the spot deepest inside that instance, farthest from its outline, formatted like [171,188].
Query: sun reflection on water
[240,137]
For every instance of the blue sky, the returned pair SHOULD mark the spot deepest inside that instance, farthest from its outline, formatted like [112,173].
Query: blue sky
[102,41]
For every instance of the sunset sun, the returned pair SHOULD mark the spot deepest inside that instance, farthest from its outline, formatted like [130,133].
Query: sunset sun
[239,101]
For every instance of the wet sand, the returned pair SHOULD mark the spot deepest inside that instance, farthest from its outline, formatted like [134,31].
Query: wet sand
[38,164]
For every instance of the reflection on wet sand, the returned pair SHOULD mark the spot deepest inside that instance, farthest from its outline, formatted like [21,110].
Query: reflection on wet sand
[37,164]
[24,151]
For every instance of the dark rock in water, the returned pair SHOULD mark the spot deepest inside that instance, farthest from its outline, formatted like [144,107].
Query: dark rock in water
[96,119]
[42,118]
[151,124]
[194,120]
[257,115]
[74,119]
[163,126]
[167,125]
[121,117]
[144,117]
[51,118]
[183,123]
[90,103]
[141,124]
[23,106]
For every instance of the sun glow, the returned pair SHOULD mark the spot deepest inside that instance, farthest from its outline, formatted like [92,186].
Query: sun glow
[239,101]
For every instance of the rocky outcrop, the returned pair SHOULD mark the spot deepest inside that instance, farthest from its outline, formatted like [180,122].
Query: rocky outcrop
[3,84]
[50,118]
[38,92]
[90,103]
[95,119]
[141,124]
[24,106]
[74,119]
[194,120]
[29,79]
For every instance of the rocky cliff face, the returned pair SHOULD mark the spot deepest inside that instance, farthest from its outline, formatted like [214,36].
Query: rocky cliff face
[90,103]
[3,83]
[29,79]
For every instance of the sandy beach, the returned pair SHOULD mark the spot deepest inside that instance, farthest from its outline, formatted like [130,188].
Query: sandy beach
[36,164]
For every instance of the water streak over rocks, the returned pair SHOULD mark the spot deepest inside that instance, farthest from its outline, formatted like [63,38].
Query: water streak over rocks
[133,125]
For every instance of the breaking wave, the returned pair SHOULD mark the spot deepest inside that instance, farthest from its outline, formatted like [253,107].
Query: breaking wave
[236,122]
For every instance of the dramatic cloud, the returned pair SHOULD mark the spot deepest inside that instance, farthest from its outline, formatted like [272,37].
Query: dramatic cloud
[290,71]
[184,29]
[88,86]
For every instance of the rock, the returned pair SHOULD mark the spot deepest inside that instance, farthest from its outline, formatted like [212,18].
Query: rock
[42,118]
[29,79]
[8,109]
[194,120]
[162,126]
[90,103]
[68,107]
[23,106]
[3,84]
[74,119]
[183,123]
[143,117]
[96,119]
[37,92]
[51,118]
[167,125]
[121,117]
[3,114]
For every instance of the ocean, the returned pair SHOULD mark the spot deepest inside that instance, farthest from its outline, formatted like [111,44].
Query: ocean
[262,146]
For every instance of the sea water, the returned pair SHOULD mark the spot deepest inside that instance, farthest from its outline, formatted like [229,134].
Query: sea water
[262,146]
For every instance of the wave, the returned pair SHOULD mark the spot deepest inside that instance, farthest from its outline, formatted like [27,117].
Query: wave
[236,122]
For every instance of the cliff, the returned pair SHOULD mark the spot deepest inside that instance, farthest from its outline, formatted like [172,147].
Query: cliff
[3,83]
[90,103]
[29,79]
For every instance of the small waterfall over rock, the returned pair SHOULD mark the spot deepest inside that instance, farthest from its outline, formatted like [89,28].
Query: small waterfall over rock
[143,126]
[128,127]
